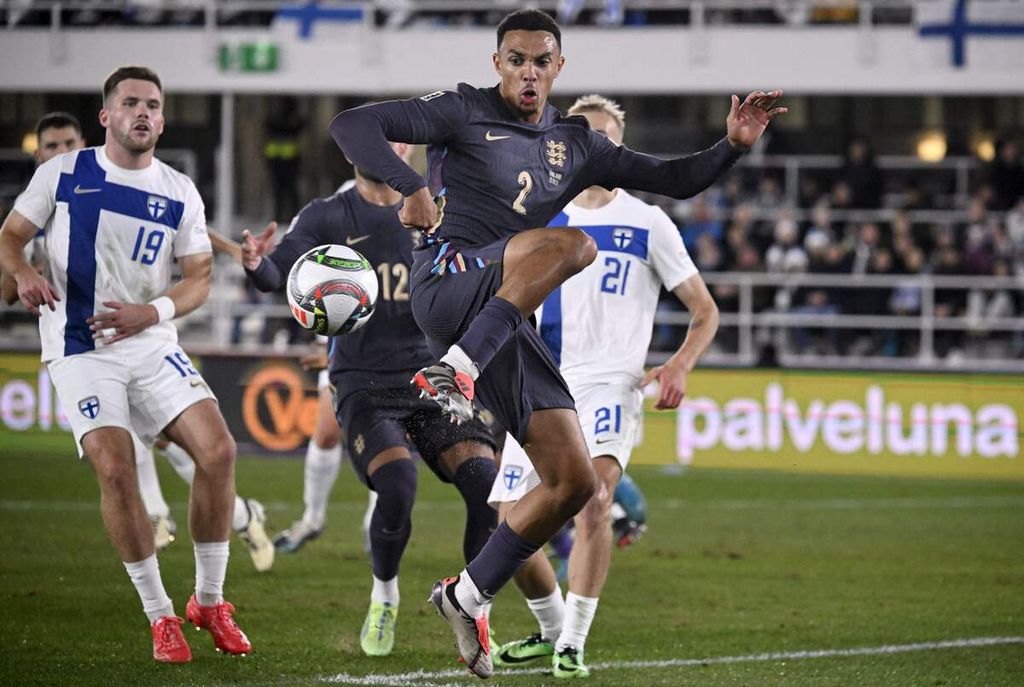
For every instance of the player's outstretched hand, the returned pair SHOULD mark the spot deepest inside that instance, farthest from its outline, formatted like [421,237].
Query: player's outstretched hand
[419,211]
[747,121]
[672,383]
[255,247]
[34,291]
[122,321]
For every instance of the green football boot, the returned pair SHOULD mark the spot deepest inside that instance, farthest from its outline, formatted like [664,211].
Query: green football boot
[378,635]
[523,651]
[568,664]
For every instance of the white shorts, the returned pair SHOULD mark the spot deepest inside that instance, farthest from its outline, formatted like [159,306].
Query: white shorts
[323,380]
[139,384]
[609,416]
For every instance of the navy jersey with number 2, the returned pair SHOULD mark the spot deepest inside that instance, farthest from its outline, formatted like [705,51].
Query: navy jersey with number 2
[499,175]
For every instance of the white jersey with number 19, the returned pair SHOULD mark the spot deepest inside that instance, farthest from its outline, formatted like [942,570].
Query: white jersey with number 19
[598,323]
[112,234]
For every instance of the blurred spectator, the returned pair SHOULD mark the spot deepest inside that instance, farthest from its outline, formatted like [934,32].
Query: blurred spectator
[875,301]
[700,223]
[810,190]
[866,244]
[906,300]
[862,175]
[769,193]
[283,153]
[785,254]
[709,254]
[1006,176]
[984,305]
[949,302]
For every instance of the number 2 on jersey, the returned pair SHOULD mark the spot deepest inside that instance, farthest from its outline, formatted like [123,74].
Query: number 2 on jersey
[526,181]
[146,254]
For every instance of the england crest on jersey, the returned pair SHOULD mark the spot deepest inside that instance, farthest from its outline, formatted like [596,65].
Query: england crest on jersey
[622,237]
[156,206]
[512,475]
[90,407]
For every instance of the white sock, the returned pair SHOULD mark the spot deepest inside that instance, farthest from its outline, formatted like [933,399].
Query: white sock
[145,576]
[240,516]
[457,358]
[211,566]
[371,504]
[469,597]
[549,612]
[321,471]
[149,483]
[385,591]
[579,613]
[181,461]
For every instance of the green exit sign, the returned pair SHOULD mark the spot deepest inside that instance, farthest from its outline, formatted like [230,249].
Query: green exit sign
[248,57]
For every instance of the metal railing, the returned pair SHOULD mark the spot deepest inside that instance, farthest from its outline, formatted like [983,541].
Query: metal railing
[695,13]
[773,327]
[755,331]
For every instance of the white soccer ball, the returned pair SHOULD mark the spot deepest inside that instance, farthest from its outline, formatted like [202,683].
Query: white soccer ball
[332,290]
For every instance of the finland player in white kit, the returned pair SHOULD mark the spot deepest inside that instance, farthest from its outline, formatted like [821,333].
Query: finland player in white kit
[115,219]
[598,327]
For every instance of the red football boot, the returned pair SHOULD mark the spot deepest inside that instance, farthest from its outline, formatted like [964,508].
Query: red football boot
[169,645]
[227,636]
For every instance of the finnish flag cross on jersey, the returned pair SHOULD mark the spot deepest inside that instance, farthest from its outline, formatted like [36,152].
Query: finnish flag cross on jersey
[111,234]
[598,324]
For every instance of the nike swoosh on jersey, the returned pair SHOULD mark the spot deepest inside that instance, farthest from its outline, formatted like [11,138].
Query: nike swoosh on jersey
[349,241]
[491,137]
[79,190]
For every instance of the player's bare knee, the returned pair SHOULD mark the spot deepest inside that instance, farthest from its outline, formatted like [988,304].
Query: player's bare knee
[586,250]
[113,471]
[576,250]
[596,515]
[218,455]
[574,493]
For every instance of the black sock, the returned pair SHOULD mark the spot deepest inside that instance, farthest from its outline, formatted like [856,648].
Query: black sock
[391,523]
[489,330]
[499,560]
[473,479]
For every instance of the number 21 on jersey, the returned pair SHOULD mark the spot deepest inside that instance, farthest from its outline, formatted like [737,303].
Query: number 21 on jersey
[616,275]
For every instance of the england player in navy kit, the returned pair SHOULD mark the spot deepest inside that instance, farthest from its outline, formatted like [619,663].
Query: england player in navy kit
[376,408]
[503,163]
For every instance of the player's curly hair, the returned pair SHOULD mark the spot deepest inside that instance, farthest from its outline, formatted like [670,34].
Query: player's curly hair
[529,20]
[131,71]
[599,103]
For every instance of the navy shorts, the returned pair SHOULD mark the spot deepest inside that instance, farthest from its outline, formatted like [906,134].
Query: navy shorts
[374,420]
[449,288]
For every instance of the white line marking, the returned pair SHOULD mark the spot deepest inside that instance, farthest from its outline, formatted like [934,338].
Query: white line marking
[421,678]
[896,503]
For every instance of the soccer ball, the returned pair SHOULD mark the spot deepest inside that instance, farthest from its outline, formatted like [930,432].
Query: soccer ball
[332,290]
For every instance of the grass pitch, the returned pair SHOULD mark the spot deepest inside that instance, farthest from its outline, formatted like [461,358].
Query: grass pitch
[736,564]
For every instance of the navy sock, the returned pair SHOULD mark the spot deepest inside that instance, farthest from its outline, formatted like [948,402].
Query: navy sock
[499,560]
[391,523]
[489,330]
[473,479]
